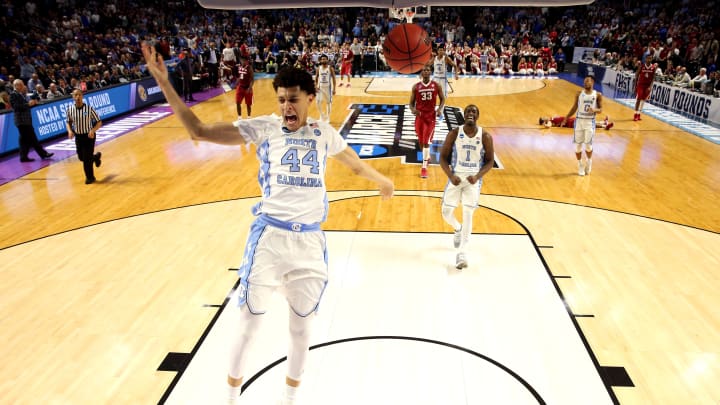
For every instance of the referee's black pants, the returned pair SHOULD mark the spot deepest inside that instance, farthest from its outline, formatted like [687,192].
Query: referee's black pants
[85,147]
[357,65]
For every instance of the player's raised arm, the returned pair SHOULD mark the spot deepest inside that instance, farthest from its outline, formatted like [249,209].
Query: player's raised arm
[220,132]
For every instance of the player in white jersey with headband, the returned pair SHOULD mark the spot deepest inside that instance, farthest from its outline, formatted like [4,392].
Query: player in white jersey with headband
[588,104]
[286,249]
[440,62]
[466,156]
[325,84]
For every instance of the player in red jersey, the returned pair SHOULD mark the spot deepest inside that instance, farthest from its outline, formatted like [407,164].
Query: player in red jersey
[346,63]
[557,121]
[643,84]
[243,91]
[423,97]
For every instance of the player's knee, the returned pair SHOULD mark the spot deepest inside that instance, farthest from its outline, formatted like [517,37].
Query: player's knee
[588,147]
[447,211]
[578,147]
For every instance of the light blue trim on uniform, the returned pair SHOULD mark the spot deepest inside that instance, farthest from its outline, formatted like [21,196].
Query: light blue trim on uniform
[256,230]
[288,226]
[325,199]
[263,152]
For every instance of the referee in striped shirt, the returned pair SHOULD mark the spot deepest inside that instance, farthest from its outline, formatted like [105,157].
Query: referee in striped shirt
[82,124]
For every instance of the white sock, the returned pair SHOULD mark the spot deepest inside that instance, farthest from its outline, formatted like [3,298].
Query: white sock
[234,392]
[290,392]
[426,156]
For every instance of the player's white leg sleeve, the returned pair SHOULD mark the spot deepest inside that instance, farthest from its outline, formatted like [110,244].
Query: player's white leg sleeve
[467,223]
[449,217]
[642,103]
[588,147]
[247,326]
[578,148]
[426,154]
[300,328]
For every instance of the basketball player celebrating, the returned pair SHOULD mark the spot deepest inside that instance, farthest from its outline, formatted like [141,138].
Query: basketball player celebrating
[644,78]
[244,89]
[439,63]
[286,248]
[423,97]
[325,84]
[466,156]
[589,103]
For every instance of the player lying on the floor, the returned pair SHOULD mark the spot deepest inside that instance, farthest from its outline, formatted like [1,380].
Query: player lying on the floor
[557,121]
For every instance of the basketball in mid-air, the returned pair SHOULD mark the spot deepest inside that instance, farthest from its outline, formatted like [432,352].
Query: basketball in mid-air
[407,48]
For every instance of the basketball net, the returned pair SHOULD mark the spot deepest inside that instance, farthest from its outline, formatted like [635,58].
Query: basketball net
[403,14]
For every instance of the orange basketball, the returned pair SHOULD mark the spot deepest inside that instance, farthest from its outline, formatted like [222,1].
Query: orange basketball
[407,48]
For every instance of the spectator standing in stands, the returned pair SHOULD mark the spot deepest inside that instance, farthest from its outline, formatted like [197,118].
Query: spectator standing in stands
[212,58]
[82,124]
[185,68]
[560,59]
[228,62]
[23,122]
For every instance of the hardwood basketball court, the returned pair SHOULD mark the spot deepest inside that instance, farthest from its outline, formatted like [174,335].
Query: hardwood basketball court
[101,282]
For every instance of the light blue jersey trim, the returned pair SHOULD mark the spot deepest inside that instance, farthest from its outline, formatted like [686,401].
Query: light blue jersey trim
[256,231]
[288,226]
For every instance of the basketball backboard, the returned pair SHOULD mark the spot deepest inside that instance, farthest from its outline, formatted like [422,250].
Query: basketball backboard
[271,4]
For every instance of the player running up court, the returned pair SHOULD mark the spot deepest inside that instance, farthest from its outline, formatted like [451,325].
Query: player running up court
[286,249]
[557,121]
[244,83]
[587,105]
[439,64]
[423,97]
[644,78]
[325,84]
[466,156]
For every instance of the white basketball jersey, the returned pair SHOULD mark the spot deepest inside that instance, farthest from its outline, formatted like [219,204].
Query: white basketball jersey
[585,103]
[439,67]
[324,80]
[468,153]
[292,167]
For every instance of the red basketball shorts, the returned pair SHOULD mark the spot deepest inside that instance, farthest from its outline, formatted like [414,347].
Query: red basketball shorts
[242,94]
[346,68]
[425,126]
[643,93]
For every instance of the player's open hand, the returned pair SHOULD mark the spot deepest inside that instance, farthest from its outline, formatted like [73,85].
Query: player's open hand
[472,179]
[155,64]
[387,189]
[455,180]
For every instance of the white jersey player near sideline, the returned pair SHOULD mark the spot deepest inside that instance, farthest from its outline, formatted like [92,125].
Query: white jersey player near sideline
[286,247]
[588,104]
[440,62]
[325,84]
[466,156]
